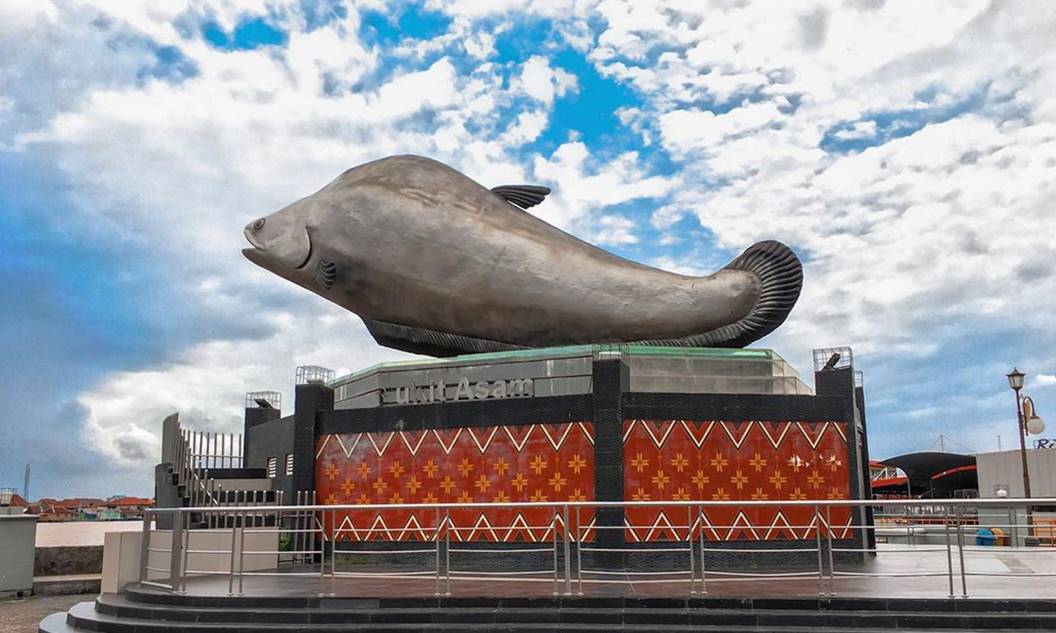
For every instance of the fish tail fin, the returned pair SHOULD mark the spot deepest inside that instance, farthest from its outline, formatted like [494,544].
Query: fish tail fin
[780,275]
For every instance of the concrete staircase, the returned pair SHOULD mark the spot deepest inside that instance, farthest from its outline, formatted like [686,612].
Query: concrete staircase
[144,611]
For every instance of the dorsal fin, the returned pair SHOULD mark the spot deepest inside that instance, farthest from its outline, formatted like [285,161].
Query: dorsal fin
[524,196]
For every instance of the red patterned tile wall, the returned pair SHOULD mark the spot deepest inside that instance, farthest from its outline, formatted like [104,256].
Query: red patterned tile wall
[537,462]
[723,460]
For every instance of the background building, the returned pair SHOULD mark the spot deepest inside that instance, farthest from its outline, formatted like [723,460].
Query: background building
[560,424]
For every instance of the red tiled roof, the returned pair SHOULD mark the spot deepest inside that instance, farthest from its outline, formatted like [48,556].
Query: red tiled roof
[130,501]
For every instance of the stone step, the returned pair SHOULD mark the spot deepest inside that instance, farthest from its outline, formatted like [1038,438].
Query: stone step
[119,606]
[148,595]
[84,617]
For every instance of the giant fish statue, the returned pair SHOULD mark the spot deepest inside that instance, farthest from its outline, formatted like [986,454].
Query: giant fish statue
[435,263]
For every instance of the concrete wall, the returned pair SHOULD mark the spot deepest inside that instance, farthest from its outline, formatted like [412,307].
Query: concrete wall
[688,374]
[1005,469]
[122,551]
[68,559]
[18,535]
[558,373]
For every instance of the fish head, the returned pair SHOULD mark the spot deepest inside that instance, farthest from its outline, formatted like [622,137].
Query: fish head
[281,242]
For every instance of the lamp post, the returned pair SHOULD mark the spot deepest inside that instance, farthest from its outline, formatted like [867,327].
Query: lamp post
[1027,424]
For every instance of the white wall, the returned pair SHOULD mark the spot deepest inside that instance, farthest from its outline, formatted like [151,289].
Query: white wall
[17,535]
[1004,468]
[212,553]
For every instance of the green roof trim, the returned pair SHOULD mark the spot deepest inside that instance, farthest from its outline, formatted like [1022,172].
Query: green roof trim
[566,351]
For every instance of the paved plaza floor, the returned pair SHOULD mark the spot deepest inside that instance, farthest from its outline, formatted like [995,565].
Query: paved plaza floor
[896,572]
[23,616]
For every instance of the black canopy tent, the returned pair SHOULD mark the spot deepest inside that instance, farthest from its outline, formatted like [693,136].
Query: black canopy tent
[936,475]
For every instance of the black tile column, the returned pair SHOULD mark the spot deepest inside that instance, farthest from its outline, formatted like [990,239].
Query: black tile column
[611,378]
[840,382]
[309,400]
[255,416]
[859,398]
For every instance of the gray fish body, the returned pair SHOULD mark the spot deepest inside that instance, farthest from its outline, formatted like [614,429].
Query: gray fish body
[437,263]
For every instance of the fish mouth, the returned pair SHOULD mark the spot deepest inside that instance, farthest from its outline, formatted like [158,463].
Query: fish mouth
[249,238]
[257,250]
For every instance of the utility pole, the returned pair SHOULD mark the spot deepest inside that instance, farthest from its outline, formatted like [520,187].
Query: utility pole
[25,485]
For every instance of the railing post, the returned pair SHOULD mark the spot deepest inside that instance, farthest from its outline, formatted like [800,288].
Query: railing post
[1013,527]
[436,540]
[322,539]
[568,554]
[241,521]
[689,541]
[447,553]
[333,552]
[579,552]
[144,552]
[949,546]
[960,554]
[297,527]
[703,567]
[231,574]
[832,563]
[175,554]
[817,539]
[186,553]
[553,528]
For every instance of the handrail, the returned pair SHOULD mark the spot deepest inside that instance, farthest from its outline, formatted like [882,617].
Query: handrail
[313,533]
[804,503]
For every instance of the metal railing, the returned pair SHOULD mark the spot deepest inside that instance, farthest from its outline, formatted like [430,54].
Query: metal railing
[194,453]
[567,549]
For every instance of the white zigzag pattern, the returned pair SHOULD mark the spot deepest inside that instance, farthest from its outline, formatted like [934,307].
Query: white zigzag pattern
[817,439]
[773,526]
[737,442]
[322,446]
[447,447]
[421,439]
[741,521]
[346,449]
[697,441]
[813,439]
[385,445]
[776,443]
[483,447]
[556,444]
[519,445]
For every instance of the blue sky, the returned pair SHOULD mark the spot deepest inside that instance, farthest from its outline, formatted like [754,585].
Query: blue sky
[910,168]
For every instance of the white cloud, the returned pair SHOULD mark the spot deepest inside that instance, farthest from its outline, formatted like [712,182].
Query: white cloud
[176,169]
[907,244]
[683,130]
[544,83]
[529,126]
[206,383]
[860,130]
[1043,380]
[582,184]
[614,230]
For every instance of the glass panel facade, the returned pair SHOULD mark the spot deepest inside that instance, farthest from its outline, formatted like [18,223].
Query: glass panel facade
[567,371]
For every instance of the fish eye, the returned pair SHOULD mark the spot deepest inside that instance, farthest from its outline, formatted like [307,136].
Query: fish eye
[259,224]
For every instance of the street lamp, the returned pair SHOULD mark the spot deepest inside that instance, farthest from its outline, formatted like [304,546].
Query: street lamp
[1027,424]
[1034,424]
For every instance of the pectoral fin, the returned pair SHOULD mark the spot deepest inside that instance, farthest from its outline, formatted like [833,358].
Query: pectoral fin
[326,274]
